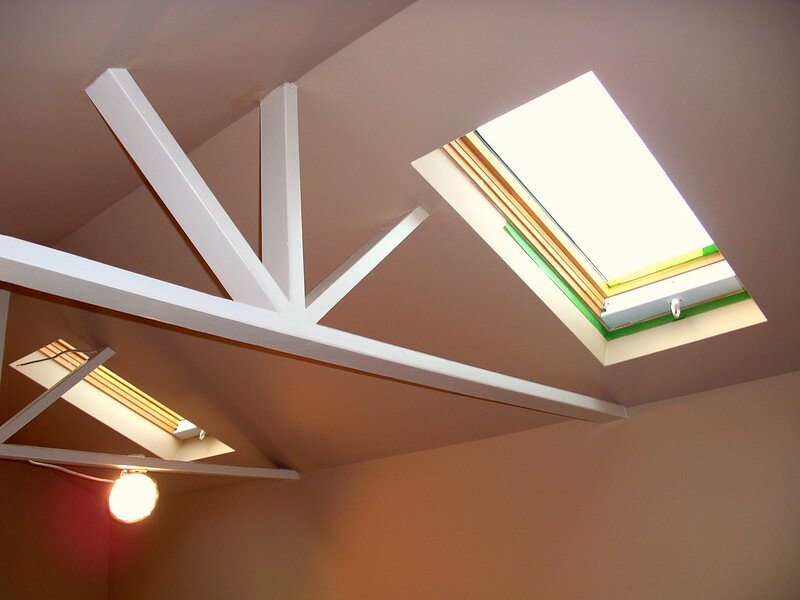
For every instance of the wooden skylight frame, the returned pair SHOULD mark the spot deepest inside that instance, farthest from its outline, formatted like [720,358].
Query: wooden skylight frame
[77,378]
[121,390]
[516,203]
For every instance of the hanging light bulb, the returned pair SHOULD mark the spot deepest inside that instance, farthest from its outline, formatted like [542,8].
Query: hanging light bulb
[133,497]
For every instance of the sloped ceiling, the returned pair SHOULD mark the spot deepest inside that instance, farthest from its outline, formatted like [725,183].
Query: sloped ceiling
[204,63]
[712,88]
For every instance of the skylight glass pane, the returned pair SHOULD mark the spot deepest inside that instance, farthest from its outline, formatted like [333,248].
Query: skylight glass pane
[586,165]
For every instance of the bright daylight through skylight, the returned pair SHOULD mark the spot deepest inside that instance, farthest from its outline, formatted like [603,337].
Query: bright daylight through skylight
[584,198]
[586,165]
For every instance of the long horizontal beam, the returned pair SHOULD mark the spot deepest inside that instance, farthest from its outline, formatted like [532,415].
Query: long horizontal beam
[54,272]
[35,408]
[352,271]
[78,458]
[184,192]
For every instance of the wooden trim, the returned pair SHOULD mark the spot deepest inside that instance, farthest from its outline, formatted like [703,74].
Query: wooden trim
[543,221]
[496,191]
[119,389]
[115,386]
[517,205]
[700,261]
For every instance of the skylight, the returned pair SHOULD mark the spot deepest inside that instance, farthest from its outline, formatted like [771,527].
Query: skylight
[566,181]
[115,386]
[588,168]
[121,405]
[587,201]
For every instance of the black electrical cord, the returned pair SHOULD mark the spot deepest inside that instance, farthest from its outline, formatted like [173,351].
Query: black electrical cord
[38,360]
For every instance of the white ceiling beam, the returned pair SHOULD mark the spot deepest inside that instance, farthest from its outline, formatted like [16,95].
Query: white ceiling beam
[156,465]
[183,191]
[35,408]
[54,272]
[339,283]
[281,215]
[5,297]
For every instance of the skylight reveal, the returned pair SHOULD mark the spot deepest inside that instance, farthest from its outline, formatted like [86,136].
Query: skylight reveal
[588,202]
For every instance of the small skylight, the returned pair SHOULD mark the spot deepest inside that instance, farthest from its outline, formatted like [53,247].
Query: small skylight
[120,405]
[118,388]
[588,168]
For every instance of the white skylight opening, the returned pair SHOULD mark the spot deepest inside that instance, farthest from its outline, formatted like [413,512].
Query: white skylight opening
[566,193]
[583,161]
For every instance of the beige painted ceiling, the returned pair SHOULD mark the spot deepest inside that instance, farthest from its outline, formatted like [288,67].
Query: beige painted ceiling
[713,89]
[204,62]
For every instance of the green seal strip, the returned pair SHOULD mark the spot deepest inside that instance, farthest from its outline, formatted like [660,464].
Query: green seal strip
[691,311]
[557,279]
[628,329]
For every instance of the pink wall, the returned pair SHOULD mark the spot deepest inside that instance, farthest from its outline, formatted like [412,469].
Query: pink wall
[695,497]
[54,538]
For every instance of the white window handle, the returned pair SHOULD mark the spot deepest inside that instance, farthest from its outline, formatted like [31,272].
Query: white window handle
[675,307]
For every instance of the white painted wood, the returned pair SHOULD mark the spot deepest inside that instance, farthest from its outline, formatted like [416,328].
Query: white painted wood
[54,272]
[183,191]
[339,283]
[156,465]
[186,430]
[197,449]
[685,331]
[5,297]
[693,287]
[35,408]
[281,215]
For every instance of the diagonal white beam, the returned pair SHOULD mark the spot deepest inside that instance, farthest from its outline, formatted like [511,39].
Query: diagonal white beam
[35,408]
[281,216]
[183,191]
[339,283]
[5,296]
[156,465]
[54,272]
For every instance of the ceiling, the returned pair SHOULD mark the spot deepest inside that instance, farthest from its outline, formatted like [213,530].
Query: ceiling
[205,63]
[713,89]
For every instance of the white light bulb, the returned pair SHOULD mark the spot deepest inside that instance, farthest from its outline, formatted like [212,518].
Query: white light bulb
[133,497]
